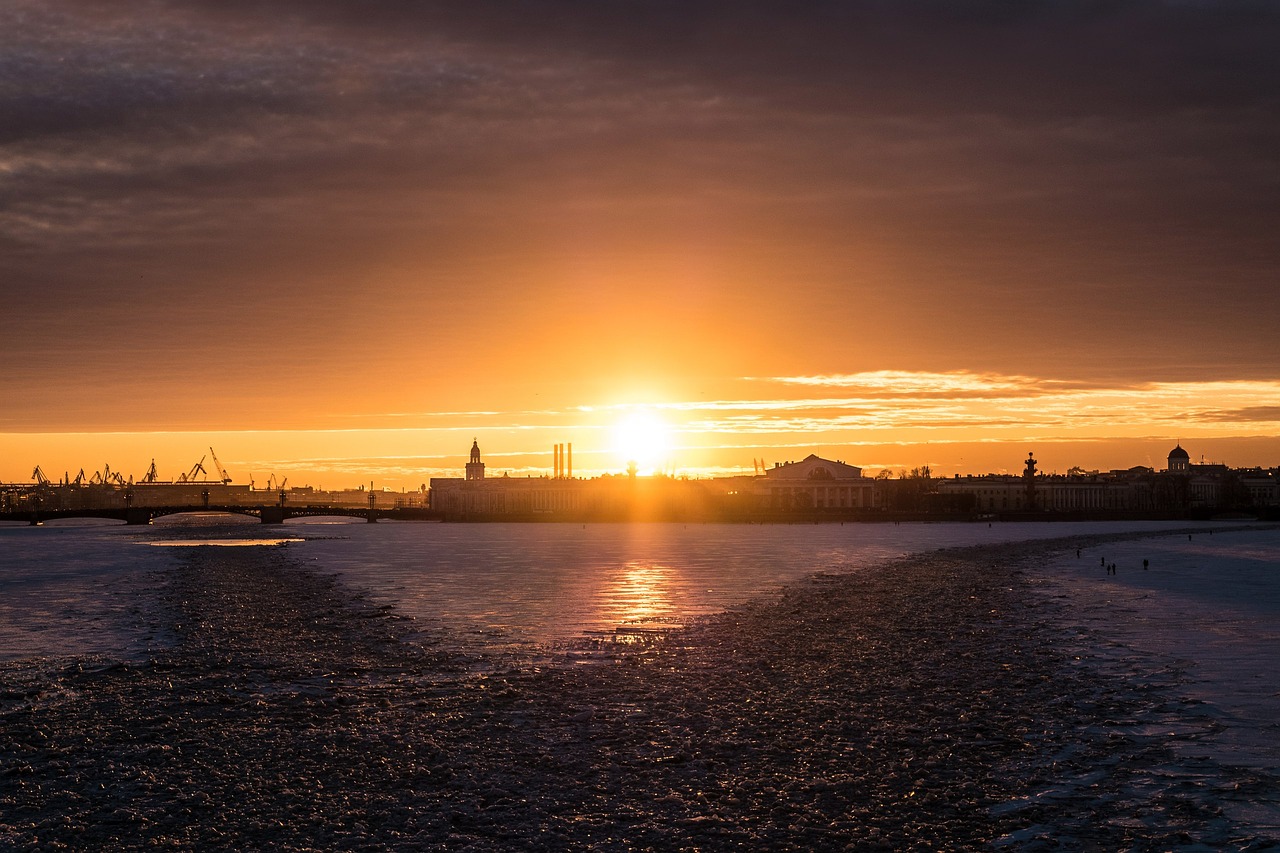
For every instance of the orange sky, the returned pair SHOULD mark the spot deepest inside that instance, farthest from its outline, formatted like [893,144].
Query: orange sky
[955,422]
[338,247]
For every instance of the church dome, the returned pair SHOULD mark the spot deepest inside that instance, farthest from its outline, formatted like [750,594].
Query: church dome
[1179,453]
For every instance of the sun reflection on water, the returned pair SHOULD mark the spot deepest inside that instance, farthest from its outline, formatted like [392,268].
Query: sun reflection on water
[639,593]
[222,543]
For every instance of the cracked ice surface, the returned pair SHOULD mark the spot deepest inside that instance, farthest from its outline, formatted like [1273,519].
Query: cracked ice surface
[947,700]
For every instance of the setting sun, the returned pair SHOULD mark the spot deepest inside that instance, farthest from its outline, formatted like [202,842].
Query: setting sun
[644,438]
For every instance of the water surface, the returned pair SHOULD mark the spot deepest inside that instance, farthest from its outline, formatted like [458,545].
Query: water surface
[73,588]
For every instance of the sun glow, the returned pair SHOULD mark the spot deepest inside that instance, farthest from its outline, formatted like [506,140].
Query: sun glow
[644,438]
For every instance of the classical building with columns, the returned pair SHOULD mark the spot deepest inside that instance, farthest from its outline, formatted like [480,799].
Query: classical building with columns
[813,483]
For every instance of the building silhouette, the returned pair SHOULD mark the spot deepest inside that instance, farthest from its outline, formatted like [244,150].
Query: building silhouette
[812,487]
[1182,487]
[828,488]
[475,468]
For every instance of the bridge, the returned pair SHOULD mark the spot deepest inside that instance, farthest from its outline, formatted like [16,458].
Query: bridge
[269,514]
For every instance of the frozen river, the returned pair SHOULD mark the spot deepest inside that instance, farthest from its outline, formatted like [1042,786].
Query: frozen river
[81,588]
[1031,696]
[1207,607]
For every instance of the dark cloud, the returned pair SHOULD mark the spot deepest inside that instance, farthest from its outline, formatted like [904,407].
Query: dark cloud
[1079,184]
[1047,57]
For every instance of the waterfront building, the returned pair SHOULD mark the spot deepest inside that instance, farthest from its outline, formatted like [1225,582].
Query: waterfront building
[505,495]
[1091,492]
[475,495]
[1262,486]
[991,493]
[813,483]
[1183,486]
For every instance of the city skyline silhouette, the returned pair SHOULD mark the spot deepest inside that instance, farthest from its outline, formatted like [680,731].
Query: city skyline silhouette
[336,245]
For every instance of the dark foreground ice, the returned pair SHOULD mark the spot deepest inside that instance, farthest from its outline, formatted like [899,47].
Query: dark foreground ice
[933,703]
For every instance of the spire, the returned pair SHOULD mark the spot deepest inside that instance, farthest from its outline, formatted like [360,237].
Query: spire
[475,468]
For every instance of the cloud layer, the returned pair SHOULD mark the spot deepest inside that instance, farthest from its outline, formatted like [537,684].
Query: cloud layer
[289,215]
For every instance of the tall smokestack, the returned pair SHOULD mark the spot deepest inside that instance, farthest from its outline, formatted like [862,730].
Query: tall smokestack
[569,465]
[555,461]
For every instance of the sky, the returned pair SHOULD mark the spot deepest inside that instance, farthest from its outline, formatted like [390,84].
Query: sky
[339,241]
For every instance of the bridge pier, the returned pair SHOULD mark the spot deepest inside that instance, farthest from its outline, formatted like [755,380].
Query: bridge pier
[273,515]
[137,515]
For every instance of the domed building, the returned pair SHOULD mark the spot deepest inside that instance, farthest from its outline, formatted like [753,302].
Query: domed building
[1179,460]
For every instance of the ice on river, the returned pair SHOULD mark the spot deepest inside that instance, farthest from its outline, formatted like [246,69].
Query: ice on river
[1207,607]
[1097,700]
[76,588]
[539,584]
[1208,603]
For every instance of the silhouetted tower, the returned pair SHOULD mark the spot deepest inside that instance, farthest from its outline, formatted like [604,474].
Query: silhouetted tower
[1029,476]
[475,468]
[1179,460]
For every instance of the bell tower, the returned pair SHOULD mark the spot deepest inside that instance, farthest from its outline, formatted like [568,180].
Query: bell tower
[475,468]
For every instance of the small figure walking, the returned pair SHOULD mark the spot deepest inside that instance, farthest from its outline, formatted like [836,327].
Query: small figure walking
[1145,563]
[1077,553]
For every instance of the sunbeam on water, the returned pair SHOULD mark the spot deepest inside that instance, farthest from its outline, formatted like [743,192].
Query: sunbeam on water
[77,588]
[639,593]
[224,543]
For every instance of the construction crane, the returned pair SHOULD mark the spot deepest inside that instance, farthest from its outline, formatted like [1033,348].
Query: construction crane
[190,476]
[79,480]
[151,476]
[39,477]
[108,476]
[222,474]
